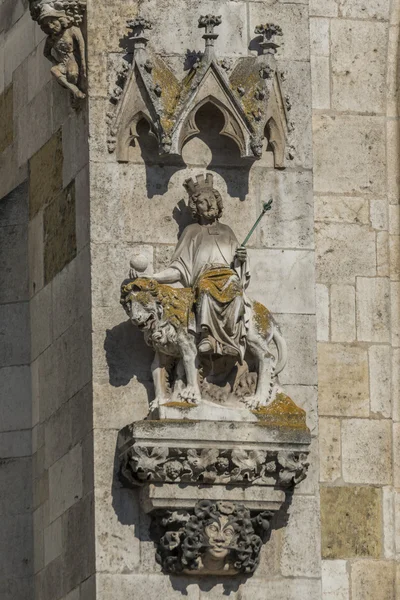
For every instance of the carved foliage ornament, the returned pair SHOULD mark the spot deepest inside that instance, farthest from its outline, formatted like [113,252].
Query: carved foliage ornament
[213,466]
[250,98]
[65,46]
[218,537]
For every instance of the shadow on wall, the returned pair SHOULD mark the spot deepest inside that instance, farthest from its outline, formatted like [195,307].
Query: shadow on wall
[128,356]
[206,150]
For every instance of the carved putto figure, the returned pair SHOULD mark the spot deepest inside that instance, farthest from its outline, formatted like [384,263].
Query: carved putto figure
[207,333]
[65,46]
[220,537]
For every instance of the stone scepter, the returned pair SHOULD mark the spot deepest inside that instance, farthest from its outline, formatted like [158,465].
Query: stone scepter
[266,207]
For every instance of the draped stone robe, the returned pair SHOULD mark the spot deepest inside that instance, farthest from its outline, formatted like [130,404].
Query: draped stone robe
[204,257]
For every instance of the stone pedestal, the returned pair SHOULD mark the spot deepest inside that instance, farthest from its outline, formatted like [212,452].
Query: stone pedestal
[222,470]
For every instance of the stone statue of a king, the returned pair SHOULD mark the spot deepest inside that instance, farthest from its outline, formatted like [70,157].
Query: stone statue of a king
[209,259]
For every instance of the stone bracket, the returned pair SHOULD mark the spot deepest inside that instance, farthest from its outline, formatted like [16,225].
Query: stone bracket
[236,474]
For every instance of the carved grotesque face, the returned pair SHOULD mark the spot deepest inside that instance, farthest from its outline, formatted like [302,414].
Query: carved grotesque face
[51,25]
[221,535]
[207,206]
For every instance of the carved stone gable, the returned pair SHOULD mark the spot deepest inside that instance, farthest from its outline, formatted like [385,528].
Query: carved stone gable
[250,99]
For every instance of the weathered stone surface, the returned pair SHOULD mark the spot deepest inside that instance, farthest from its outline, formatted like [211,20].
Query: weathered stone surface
[335,580]
[59,233]
[14,444]
[389,541]
[380,380]
[341,209]
[355,87]
[295,74]
[382,254]
[321,86]
[280,280]
[45,168]
[379,213]
[367,451]
[344,251]
[111,264]
[319,36]
[79,544]
[373,309]
[395,312]
[357,145]
[15,392]
[294,22]
[338,365]
[301,551]
[15,343]
[396,454]
[324,8]
[65,482]
[16,498]
[343,313]
[396,384]
[6,118]
[322,308]
[305,396]
[36,254]
[290,222]
[118,546]
[356,529]
[71,283]
[65,367]
[33,124]
[41,321]
[394,256]
[372,580]
[53,543]
[16,562]
[13,263]
[330,451]
[160,210]
[302,360]
[361,9]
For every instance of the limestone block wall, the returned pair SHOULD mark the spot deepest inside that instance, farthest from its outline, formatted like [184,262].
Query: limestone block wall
[354,59]
[46,550]
[142,203]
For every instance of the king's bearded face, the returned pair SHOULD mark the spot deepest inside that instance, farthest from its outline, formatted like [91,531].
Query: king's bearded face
[207,206]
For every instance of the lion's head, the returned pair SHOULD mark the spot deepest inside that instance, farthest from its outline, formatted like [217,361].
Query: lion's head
[141,303]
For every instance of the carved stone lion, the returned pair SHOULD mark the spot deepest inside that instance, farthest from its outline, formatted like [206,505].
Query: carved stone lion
[163,314]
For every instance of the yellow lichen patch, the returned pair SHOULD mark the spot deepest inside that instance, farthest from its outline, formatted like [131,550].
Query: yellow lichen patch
[183,405]
[170,87]
[222,284]
[177,303]
[282,412]
[247,77]
[262,317]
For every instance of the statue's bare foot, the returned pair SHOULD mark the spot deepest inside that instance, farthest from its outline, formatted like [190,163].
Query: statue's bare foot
[190,394]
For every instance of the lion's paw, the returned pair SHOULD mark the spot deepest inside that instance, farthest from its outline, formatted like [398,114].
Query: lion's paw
[253,403]
[190,394]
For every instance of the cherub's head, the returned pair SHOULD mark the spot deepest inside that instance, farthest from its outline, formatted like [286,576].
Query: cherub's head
[53,21]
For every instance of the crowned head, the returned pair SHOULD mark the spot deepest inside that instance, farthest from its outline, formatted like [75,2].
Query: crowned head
[205,202]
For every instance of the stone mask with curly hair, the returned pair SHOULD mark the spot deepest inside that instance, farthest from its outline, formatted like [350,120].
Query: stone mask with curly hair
[220,536]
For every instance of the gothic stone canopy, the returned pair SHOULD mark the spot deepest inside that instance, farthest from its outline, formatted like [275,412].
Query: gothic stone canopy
[250,98]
